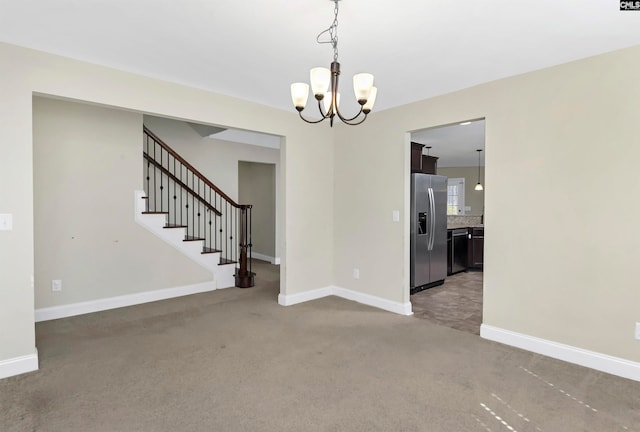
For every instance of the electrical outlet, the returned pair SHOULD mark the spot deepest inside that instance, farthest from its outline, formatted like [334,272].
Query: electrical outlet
[395,216]
[638,330]
[56,285]
[356,273]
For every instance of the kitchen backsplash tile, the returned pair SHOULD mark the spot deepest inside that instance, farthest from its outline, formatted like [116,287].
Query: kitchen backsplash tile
[464,220]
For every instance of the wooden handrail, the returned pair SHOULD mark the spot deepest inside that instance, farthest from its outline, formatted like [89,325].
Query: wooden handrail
[181,183]
[190,167]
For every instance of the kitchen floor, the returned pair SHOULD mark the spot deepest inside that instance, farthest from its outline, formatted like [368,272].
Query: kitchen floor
[456,304]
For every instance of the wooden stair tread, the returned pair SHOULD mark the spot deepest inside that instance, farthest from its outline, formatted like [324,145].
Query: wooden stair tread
[225,261]
[208,250]
[174,226]
[192,238]
[159,212]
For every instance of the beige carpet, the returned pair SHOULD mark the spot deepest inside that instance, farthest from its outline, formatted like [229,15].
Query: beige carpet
[234,360]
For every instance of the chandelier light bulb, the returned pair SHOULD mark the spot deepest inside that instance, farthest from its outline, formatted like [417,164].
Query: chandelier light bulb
[362,85]
[299,95]
[370,101]
[326,102]
[320,79]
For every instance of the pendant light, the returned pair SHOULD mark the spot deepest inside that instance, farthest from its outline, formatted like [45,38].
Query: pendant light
[324,85]
[479,185]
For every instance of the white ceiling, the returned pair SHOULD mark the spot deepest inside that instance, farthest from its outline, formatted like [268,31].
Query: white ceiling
[455,145]
[254,49]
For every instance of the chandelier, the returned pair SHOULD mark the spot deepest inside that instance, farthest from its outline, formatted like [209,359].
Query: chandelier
[324,84]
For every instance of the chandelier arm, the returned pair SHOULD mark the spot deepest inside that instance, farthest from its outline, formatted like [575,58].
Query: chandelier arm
[310,121]
[344,119]
[350,123]
[322,113]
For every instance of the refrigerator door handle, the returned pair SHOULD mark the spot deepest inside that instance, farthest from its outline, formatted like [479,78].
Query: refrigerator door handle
[432,215]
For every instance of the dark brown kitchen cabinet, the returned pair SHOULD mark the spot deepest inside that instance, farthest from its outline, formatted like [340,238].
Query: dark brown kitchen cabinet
[422,163]
[475,249]
[416,157]
[429,164]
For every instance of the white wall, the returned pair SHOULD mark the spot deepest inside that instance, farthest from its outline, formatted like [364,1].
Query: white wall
[306,155]
[216,159]
[87,163]
[561,250]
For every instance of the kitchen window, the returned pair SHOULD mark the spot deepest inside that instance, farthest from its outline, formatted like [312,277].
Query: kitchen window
[455,196]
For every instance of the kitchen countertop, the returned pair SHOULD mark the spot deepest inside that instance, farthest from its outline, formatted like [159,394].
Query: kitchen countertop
[456,226]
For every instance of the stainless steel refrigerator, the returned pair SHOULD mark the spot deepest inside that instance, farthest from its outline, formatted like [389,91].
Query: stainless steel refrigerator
[428,231]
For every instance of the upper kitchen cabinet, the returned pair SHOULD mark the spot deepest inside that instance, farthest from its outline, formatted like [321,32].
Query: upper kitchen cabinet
[421,163]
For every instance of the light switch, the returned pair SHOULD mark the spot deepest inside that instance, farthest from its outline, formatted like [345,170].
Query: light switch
[396,216]
[56,285]
[6,222]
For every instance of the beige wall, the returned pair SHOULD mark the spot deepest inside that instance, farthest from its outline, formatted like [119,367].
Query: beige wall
[562,144]
[87,161]
[305,156]
[472,197]
[559,142]
[257,186]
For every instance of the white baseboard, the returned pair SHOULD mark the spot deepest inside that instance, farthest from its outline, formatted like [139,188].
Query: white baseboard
[378,302]
[19,365]
[591,359]
[367,299]
[291,299]
[272,260]
[64,311]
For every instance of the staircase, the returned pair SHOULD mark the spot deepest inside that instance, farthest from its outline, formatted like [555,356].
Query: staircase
[185,209]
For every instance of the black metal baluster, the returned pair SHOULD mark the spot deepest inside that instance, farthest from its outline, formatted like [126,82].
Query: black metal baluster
[175,211]
[209,223]
[148,174]
[161,182]
[215,222]
[181,195]
[226,230]
[210,212]
[169,181]
[186,206]
[154,177]
[235,244]
[199,209]
[249,241]
[193,210]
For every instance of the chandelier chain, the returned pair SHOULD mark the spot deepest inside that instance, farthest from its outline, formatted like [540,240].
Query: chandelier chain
[333,33]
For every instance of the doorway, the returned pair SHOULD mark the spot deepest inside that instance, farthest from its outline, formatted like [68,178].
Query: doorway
[456,151]
[257,185]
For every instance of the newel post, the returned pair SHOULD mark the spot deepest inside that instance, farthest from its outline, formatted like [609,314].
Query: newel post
[244,276]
